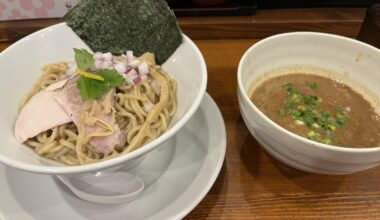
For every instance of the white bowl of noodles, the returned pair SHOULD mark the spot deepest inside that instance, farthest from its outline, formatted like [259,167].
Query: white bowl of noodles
[21,66]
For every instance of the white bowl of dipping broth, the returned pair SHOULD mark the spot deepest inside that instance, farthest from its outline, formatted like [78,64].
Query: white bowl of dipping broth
[21,66]
[346,60]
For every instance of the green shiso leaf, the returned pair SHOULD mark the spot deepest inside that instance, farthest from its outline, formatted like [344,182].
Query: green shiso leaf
[83,59]
[111,78]
[93,89]
[120,25]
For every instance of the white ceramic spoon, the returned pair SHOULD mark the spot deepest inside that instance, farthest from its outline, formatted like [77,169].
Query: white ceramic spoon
[104,187]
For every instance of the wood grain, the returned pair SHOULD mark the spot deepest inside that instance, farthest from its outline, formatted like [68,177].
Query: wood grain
[11,31]
[3,46]
[343,21]
[251,184]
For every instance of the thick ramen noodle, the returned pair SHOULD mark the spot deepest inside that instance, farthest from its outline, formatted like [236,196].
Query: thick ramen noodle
[142,112]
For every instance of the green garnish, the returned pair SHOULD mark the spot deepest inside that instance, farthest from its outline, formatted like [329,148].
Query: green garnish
[295,113]
[83,59]
[311,134]
[340,117]
[281,112]
[311,100]
[333,138]
[312,86]
[93,89]
[326,141]
[290,103]
[90,88]
[289,88]
[331,127]
[306,110]
[315,125]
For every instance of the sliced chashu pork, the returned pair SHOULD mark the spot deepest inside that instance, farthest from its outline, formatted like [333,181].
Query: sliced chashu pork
[40,114]
[69,99]
[58,104]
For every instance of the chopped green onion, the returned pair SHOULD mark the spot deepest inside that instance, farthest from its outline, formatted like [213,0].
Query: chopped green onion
[295,113]
[295,97]
[281,112]
[333,138]
[331,127]
[325,114]
[311,134]
[312,85]
[305,109]
[290,103]
[288,87]
[315,125]
[326,141]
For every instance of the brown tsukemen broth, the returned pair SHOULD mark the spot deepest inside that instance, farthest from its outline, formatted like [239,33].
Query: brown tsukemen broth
[320,109]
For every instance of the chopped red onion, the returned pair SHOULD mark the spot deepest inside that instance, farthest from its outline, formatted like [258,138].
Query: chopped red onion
[97,64]
[120,68]
[105,65]
[148,106]
[130,77]
[133,79]
[114,61]
[135,63]
[128,70]
[132,72]
[143,68]
[97,55]
[107,56]
[136,80]
[130,57]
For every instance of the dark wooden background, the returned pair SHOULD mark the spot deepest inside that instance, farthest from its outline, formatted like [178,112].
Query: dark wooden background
[253,185]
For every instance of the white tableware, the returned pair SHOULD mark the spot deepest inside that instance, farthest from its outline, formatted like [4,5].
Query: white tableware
[347,60]
[20,67]
[177,176]
[104,187]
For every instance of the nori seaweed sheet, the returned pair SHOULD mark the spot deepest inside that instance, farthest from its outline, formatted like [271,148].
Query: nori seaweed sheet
[119,25]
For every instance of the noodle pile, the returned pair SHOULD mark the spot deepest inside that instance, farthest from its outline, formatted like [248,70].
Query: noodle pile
[69,145]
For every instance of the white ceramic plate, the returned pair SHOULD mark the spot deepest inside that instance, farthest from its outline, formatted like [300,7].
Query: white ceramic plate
[177,175]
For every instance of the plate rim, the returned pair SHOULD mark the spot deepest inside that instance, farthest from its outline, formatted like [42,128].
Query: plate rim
[193,203]
[220,163]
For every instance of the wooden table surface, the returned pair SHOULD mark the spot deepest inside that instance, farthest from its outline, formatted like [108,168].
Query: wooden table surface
[251,184]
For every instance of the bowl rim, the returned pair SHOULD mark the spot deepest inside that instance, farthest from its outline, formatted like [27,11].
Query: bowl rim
[275,125]
[65,169]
